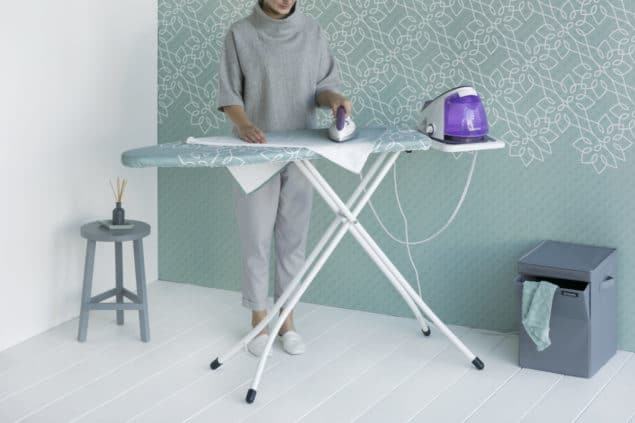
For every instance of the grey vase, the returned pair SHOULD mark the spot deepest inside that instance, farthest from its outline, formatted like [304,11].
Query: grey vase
[118,215]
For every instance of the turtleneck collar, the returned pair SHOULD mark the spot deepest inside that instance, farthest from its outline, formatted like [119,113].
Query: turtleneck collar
[277,27]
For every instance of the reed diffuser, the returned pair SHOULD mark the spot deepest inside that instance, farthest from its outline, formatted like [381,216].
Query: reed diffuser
[118,212]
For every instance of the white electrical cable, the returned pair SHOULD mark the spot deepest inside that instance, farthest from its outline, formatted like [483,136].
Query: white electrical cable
[407,242]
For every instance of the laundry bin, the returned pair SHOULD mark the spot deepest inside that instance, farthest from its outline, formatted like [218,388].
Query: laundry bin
[583,324]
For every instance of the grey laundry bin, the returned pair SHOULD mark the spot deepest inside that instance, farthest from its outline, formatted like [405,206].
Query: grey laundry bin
[583,325]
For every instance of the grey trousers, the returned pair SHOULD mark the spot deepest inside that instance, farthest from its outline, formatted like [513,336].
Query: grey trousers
[278,210]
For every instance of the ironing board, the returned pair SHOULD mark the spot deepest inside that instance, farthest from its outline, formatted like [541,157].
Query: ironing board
[388,145]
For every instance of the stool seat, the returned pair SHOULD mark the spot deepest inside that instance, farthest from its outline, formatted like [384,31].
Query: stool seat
[94,232]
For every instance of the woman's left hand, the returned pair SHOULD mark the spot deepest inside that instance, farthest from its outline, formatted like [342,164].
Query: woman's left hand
[338,100]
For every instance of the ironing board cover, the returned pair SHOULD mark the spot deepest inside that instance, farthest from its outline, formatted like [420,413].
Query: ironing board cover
[181,154]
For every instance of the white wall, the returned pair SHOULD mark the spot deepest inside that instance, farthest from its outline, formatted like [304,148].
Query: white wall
[77,88]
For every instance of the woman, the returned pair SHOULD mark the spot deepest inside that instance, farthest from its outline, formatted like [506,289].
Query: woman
[275,70]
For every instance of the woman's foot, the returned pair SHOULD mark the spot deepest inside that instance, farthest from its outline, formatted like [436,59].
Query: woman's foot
[292,342]
[257,345]
[288,323]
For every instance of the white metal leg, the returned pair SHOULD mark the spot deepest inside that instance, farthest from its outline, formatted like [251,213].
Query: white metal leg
[251,393]
[369,184]
[348,221]
[384,264]
[369,245]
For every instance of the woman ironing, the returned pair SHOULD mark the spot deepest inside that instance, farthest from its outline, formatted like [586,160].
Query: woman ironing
[276,69]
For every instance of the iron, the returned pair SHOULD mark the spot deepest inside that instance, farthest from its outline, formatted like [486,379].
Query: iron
[343,129]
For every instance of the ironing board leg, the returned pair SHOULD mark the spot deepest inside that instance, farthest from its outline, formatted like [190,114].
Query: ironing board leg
[370,176]
[251,393]
[386,166]
[369,245]
[307,264]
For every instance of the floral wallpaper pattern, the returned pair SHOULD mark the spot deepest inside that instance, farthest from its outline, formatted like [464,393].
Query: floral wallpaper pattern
[543,68]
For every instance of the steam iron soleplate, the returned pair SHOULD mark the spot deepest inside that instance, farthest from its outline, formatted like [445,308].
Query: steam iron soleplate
[339,136]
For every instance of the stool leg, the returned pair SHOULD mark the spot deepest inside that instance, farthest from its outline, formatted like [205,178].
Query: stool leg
[89,265]
[119,279]
[141,289]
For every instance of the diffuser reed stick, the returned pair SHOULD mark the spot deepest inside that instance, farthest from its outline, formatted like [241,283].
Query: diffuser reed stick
[118,216]
[123,188]
[113,190]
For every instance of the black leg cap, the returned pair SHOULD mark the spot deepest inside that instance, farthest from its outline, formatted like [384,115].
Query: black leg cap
[251,395]
[478,363]
[426,332]
[214,364]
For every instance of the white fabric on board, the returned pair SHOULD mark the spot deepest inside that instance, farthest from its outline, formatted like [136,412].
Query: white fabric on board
[350,155]
[251,177]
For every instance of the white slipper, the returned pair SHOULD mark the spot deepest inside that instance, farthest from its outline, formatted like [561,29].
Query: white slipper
[257,345]
[292,342]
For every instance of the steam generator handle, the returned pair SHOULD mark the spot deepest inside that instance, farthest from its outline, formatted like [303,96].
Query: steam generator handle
[340,118]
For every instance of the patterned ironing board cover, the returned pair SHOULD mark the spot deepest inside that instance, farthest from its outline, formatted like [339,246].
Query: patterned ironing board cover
[181,154]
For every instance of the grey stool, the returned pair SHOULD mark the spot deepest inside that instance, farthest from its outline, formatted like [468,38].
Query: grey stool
[94,232]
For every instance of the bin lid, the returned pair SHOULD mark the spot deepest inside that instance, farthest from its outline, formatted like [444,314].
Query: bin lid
[564,255]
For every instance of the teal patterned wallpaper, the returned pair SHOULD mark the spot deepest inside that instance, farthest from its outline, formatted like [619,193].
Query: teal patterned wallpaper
[558,84]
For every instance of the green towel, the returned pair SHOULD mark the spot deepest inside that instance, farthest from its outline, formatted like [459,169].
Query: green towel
[536,311]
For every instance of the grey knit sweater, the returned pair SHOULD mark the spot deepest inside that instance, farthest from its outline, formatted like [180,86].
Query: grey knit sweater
[275,68]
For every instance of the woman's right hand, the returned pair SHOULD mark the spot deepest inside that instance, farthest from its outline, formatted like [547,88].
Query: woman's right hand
[251,134]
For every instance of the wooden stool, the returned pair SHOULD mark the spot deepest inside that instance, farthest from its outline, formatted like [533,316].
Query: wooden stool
[94,232]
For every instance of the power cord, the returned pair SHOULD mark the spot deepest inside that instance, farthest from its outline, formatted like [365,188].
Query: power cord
[407,241]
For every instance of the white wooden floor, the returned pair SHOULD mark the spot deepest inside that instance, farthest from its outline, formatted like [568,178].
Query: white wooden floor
[359,366]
